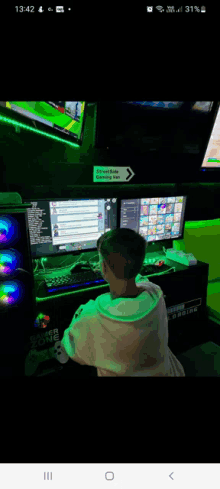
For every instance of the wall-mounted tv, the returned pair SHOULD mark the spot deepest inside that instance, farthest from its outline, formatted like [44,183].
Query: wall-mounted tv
[165,139]
[63,119]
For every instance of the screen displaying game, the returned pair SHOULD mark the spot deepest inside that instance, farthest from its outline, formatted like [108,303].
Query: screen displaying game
[156,218]
[65,117]
[212,155]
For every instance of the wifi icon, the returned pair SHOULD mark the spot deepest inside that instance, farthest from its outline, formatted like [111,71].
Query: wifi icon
[161,9]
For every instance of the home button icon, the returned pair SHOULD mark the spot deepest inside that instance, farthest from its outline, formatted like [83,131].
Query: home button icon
[109,476]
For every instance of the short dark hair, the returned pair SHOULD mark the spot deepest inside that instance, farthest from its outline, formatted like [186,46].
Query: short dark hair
[124,251]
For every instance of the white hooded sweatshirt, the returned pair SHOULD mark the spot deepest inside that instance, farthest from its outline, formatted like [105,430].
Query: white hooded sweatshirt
[123,337]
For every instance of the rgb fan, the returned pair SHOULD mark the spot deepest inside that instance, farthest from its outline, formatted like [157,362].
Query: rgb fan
[9,261]
[11,293]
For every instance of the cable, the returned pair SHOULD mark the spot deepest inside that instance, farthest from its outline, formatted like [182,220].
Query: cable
[42,282]
[71,266]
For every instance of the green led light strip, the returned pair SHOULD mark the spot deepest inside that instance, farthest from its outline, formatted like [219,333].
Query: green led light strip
[12,122]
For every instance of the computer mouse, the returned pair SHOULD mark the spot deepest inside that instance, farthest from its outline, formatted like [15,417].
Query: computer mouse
[159,263]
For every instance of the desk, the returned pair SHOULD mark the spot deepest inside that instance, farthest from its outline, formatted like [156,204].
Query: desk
[185,292]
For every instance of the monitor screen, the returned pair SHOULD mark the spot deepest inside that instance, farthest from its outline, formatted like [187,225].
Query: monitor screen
[69,225]
[162,131]
[212,154]
[65,117]
[155,219]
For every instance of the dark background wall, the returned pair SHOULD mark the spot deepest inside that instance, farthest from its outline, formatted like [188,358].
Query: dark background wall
[37,167]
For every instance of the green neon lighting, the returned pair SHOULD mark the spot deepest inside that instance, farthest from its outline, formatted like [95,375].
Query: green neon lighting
[202,224]
[16,124]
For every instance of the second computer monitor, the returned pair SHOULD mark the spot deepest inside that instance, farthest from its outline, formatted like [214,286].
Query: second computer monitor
[155,218]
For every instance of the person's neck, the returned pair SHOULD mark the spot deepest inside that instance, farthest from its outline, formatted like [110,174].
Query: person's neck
[125,293]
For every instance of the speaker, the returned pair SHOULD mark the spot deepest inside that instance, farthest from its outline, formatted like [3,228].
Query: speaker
[17,297]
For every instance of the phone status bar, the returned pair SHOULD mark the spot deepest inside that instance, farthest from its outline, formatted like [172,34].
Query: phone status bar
[149,9]
[172,9]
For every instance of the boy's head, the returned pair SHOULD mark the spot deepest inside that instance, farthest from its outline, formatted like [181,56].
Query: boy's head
[122,251]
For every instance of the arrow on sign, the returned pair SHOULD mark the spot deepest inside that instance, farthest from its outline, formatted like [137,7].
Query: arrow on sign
[130,174]
[171,477]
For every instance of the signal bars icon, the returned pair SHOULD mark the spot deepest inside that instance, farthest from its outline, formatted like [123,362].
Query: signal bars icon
[48,476]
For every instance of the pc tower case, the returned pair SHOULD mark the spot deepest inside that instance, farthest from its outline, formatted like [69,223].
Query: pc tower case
[17,301]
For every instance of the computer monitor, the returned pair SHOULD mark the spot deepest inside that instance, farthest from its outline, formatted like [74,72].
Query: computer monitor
[165,139]
[154,218]
[65,118]
[174,127]
[61,226]
[212,155]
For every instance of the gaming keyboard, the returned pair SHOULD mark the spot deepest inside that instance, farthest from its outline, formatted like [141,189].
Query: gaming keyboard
[73,281]
[87,278]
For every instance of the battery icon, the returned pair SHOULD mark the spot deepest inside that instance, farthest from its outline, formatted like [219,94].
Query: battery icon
[203,9]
